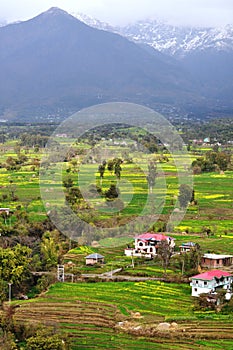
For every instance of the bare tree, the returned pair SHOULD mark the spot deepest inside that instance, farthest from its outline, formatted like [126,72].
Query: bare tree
[165,253]
[151,175]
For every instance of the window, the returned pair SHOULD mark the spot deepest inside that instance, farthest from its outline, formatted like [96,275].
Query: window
[205,283]
[218,261]
[195,289]
[196,282]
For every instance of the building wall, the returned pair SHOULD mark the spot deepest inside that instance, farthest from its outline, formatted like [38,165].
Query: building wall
[196,291]
[142,246]
[212,262]
[200,286]
[93,261]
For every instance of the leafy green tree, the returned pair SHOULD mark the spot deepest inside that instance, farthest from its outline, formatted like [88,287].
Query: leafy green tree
[112,193]
[110,165]
[117,170]
[49,250]
[12,191]
[74,195]
[44,340]
[68,182]
[223,160]
[101,170]
[213,161]
[14,266]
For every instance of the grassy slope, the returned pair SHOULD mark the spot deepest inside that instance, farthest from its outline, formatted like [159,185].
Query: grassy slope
[90,311]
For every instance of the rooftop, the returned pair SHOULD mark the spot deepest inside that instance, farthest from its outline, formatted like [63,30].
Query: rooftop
[153,236]
[217,256]
[210,275]
[95,256]
[188,244]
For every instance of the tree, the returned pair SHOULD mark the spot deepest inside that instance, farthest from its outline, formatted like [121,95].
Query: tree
[11,164]
[102,171]
[195,257]
[49,250]
[110,165]
[190,261]
[118,205]
[12,190]
[216,148]
[213,161]
[185,195]
[165,253]
[117,170]
[15,264]
[74,164]
[115,164]
[74,195]
[151,175]
[111,194]
[68,182]
[117,167]
[45,340]
[223,160]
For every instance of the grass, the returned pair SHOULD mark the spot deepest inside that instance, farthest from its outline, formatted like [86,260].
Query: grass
[212,191]
[90,312]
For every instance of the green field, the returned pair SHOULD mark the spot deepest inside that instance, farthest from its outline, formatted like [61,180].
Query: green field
[213,193]
[90,313]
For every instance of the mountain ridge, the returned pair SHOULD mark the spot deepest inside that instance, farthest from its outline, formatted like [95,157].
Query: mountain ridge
[55,59]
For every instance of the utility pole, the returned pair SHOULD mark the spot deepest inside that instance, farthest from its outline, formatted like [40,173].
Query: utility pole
[132,259]
[182,271]
[60,273]
[9,284]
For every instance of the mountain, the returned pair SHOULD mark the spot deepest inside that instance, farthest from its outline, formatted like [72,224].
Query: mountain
[94,22]
[206,53]
[177,40]
[54,61]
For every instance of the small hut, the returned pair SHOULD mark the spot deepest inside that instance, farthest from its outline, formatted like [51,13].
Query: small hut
[216,260]
[186,247]
[94,258]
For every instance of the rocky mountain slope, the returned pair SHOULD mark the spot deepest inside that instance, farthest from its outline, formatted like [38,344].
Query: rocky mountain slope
[55,60]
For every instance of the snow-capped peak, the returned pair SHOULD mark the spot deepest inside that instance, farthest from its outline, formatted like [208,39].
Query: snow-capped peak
[173,40]
[179,40]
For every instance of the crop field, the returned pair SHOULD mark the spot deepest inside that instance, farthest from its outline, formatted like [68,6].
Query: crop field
[125,315]
[213,192]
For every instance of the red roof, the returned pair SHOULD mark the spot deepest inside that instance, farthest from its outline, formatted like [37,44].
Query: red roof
[210,275]
[148,235]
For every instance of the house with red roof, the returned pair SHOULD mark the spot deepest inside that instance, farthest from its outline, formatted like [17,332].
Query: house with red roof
[147,244]
[210,281]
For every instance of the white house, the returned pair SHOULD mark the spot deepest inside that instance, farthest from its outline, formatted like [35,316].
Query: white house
[210,281]
[5,210]
[147,244]
[186,247]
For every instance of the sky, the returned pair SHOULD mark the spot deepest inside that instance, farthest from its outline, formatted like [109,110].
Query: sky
[121,12]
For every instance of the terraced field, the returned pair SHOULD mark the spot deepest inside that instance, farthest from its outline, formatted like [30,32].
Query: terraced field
[125,315]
